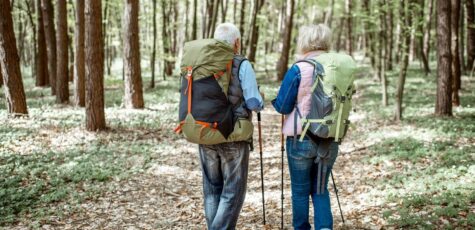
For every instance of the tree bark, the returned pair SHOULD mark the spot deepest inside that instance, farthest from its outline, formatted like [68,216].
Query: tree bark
[42,77]
[382,53]
[456,70]
[254,38]
[390,35]
[133,97]
[470,33]
[1,76]
[443,105]
[349,38]
[406,31]
[428,25]
[284,58]
[62,76]
[420,38]
[95,119]
[30,7]
[329,15]
[10,64]
[79,68]
[48,22]
[242,23]
[195,21]
[154,46]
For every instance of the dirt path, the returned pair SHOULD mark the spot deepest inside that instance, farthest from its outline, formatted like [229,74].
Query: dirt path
[168,195]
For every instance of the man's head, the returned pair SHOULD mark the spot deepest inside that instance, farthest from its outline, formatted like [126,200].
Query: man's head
[230,34]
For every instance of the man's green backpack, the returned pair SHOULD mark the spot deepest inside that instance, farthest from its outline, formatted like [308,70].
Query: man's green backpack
[206,111]
[332,92]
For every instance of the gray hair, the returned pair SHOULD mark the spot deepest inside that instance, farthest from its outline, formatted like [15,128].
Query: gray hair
[314,37]
[227,32]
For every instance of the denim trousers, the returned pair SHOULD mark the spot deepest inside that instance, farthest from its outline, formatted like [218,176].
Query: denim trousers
[224,167]
[301,156]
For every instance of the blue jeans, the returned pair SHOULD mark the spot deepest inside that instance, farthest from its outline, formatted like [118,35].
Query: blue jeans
[303,178]
[224,167]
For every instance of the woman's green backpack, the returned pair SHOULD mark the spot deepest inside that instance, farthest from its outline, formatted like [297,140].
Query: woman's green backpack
[332,92]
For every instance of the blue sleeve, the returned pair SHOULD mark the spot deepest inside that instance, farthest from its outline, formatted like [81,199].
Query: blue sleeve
[252,97]
[285,101]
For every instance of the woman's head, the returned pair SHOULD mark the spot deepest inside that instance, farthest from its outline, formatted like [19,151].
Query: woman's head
[314,37]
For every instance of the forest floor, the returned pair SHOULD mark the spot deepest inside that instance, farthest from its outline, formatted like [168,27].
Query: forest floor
[418,173]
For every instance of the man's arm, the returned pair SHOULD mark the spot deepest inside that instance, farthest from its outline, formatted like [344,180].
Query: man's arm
[252,97]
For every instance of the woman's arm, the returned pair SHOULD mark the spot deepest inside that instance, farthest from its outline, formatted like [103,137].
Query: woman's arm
[285,101]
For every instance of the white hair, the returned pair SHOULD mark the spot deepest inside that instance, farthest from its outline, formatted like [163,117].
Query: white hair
[314,37]
[227,32]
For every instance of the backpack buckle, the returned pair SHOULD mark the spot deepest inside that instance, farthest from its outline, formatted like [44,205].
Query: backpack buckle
[329,122]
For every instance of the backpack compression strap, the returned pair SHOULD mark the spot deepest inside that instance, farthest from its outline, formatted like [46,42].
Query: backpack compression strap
[317,75]
[188,92]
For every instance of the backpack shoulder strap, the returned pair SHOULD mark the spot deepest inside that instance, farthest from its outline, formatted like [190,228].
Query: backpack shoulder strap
[237,61]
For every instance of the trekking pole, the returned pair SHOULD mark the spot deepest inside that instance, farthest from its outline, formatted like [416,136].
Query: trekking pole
[262,169]
[337,198]
[282,149]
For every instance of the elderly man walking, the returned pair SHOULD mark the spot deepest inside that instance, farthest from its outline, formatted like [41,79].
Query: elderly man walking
[218,93]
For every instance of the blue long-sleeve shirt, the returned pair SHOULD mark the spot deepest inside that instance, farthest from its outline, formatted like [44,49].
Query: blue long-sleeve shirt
[251,94]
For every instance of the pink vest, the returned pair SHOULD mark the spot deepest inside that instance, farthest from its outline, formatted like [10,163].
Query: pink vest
[304,94]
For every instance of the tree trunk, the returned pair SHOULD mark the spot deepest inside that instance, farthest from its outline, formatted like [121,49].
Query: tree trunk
[382,57]
[154,46]
[42,77]
[79,68]
[329,15]
[224,10]
[461,38]
[443,105]
[284,58]
[390,35]
[420,38]
[242,23]
[195,21]
[1,76]
[95,119]
[470,33]
[254,38]
[167,42]
[456,71]
[406,31]
[133,97]
[30,7]
[426,45]
[62,76]
[349,38]
[48,22]
[10,64]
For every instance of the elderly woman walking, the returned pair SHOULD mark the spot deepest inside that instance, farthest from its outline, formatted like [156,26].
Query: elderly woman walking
[304,157]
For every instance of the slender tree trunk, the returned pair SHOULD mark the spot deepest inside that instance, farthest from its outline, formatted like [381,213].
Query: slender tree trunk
[383,56]
[428,25]
[349,38]
[254,38]
[10,64]
[166,37]
[340,33]
[133,97]
[461,38]
[224,10]
[443,105]
[95,119]
[30,7]
[187,18]
[48,22]
[154,46]
[406,31]
[284,58]
[456,71]
[470,33]
[420,38]
[42,77]
[62,76]
[390,35]
[79,62]
[329,15]
[195,21]
[242,23]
